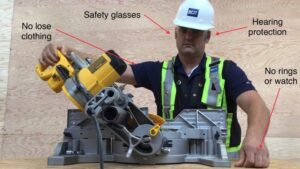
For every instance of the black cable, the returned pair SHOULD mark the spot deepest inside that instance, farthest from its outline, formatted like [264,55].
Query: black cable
[100,143]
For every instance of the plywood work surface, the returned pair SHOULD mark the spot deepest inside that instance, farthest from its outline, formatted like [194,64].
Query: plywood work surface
[42,164]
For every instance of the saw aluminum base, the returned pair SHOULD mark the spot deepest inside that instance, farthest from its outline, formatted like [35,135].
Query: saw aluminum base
[194,136]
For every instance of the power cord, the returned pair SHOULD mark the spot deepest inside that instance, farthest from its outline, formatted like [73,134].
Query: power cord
[100,143]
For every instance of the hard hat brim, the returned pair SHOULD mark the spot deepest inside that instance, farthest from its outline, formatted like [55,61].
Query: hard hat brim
[192,25]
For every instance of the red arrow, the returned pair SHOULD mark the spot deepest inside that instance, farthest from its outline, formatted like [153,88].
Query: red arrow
[219,33]
[92,45]
[166,31]
[268,124]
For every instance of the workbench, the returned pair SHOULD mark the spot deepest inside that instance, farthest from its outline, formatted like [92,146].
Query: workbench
[41,163]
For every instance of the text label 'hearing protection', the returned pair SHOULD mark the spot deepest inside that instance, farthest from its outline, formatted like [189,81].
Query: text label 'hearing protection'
[269,27]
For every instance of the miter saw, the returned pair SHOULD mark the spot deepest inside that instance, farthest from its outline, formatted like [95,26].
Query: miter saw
[126,133]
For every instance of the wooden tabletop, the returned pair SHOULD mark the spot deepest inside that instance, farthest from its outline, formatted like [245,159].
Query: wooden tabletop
[42,163]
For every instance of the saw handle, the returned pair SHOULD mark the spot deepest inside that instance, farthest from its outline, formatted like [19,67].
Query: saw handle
[40,70]
[45,73]
[52,74]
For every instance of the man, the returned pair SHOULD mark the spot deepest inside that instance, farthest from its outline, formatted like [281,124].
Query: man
[195,80]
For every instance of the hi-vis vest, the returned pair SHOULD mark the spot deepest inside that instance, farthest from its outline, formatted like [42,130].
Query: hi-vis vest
[213,95]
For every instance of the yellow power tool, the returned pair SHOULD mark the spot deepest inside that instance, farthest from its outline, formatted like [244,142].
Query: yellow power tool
[81,79]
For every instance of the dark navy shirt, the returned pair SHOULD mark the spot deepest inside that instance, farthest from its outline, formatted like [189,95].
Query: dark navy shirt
[190,88]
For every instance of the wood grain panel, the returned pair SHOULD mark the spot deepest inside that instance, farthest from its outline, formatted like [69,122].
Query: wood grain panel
[6,11]
[283,148]
[29,146]
[34,111]
[281,125]
[1,141]
[24,117]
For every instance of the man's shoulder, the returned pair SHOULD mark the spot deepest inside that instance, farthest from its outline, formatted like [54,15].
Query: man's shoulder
[219,58]
[232,70]
[149,62]
[228,66]
[236,80]
[147,65]
[146,68]
[147,74]
[229,63]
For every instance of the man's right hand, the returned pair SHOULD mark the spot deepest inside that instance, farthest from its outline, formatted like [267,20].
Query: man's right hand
[49,57]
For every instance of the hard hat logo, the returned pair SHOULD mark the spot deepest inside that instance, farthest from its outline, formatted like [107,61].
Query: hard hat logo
[193,12]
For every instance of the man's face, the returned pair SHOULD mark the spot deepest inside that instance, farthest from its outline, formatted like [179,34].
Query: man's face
[191,42]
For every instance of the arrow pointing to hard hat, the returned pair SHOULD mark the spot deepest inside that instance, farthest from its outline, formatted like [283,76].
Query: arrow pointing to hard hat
[231,30]
[166,31]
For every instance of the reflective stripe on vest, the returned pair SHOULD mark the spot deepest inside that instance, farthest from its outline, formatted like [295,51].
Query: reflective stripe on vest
[214,83]
[228,127]
[168,89]
[213,92]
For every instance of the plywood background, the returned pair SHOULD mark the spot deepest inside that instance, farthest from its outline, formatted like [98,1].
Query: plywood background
[35,117]
[6,12]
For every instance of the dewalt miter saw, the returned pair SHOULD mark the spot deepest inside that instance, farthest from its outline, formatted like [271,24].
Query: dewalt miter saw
[80,79]
[127,134]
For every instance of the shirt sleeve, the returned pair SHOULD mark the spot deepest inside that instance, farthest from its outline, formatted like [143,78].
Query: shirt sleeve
[236,80]
[147,74]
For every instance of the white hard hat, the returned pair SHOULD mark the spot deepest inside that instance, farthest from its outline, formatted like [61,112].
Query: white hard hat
[195,14]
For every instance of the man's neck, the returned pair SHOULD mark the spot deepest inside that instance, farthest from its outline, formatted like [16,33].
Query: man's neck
[190,62]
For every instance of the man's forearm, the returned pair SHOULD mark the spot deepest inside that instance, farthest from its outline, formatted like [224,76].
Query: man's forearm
[258,114]
[253,152]
[128,77]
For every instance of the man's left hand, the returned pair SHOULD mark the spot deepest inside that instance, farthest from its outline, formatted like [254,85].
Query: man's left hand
[253,155]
